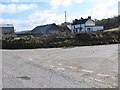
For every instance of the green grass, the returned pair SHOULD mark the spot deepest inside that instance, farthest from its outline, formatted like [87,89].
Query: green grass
[114,29]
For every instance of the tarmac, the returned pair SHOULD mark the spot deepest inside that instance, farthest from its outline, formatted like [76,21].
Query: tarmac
[76,67]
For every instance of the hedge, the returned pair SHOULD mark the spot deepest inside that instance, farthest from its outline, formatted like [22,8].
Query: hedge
[53,41]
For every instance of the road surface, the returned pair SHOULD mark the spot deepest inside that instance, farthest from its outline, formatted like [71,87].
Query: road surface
[78,67]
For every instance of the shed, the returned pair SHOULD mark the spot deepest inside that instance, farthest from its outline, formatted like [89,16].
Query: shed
[6,28]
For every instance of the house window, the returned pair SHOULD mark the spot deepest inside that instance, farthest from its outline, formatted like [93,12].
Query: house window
[80,28]
[88,29]
[76,30]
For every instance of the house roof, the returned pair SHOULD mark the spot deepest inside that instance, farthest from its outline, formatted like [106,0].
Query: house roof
[6,25]
[46,28]
[81,21]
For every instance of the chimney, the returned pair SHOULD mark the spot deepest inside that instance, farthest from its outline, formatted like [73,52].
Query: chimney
[89,17]
[81,18]
[75,19]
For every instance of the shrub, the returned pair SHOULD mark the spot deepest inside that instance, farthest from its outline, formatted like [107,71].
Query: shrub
[51,41]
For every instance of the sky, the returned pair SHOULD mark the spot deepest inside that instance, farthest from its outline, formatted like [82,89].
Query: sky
[27,14]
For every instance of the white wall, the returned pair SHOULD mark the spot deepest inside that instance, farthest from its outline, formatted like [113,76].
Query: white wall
[91,28]
[98,28]
[69,26]
[72,28]
[77,26]
[83,27]
[90,23]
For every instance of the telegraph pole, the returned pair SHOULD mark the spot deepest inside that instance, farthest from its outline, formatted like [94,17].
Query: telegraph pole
[65,17]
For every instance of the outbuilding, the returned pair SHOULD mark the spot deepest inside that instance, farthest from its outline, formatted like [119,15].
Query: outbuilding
[6,28]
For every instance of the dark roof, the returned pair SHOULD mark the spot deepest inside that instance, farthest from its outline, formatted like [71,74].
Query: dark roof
[81,21]
[43,28]
[6,25]
[46,28]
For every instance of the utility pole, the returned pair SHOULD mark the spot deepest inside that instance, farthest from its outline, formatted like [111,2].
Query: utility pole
[65,17]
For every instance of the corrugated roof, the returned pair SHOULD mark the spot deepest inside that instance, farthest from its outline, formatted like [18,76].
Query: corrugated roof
[6,25]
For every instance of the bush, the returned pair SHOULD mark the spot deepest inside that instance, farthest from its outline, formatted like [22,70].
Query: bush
[51,41]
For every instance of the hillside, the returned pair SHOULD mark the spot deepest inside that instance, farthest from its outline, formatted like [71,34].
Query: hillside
[109,23]
[113,29]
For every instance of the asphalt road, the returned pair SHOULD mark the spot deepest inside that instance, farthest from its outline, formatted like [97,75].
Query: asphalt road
[78,67]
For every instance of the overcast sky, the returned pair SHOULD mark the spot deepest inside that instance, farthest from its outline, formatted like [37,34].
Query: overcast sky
[27,14]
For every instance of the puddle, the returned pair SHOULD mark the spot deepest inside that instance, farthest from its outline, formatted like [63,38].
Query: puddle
[87,71]
[59,64]
[24,77]
[62,69]
[103,75]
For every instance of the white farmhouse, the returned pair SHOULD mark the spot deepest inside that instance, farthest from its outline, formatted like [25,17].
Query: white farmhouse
[84,25]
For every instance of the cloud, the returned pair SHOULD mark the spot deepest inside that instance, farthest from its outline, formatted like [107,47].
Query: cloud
[47,17]
[37,18]
[14,0]
[24,1]
[66,3]
[119,8]
[105,9]
[99,10]
[16,8]
[9,0]
[55,3]
[79,1]
[19,25]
